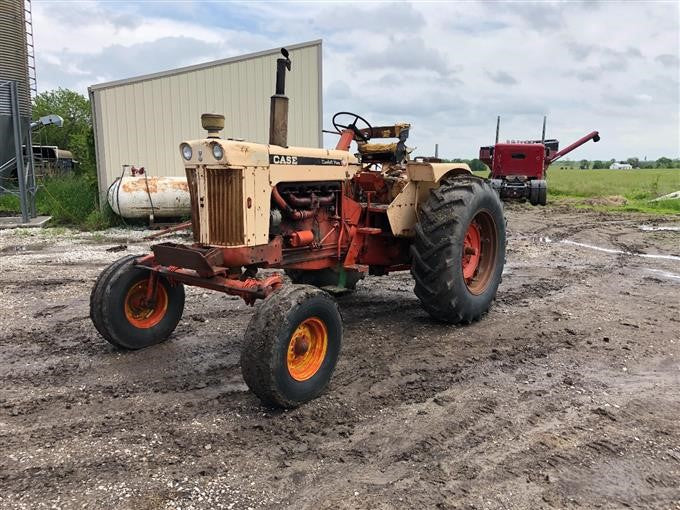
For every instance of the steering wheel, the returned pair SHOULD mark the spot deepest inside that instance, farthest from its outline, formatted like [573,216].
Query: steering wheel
[353,125]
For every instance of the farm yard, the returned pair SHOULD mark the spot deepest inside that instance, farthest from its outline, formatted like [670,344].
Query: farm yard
[237,275]
[564,396]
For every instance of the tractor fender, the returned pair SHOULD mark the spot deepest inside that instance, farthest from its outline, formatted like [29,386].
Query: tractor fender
[434,172]
[402,213]
[444,170]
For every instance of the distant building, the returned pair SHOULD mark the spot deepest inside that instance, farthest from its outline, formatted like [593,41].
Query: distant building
[141,121]
[621,166]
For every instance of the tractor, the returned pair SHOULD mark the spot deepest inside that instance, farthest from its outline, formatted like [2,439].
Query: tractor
[519,168]
[326,217]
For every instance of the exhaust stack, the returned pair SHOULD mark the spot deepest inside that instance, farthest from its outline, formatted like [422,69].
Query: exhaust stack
[278,113]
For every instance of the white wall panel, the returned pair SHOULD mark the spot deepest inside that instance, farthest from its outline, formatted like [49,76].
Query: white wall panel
[141,121]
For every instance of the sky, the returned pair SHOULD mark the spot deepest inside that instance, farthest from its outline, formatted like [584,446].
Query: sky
[448,68]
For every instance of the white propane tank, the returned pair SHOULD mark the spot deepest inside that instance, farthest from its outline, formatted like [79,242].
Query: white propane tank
[150,197]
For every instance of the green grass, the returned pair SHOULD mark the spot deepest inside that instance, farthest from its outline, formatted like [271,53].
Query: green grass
[69,200]
[632,184]
[638,187]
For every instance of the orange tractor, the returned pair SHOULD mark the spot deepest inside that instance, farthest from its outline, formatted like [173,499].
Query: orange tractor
[326,217]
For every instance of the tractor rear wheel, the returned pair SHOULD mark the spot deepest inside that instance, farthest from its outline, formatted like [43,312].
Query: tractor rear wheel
[339,278]
[119,310]
[459,250]
[291,346]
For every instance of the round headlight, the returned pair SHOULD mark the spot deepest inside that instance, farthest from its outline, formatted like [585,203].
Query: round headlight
[218,152]
[186,151]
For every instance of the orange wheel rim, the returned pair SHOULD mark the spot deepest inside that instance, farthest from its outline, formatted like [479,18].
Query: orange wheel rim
[480,250]
[138,312]
[307,349]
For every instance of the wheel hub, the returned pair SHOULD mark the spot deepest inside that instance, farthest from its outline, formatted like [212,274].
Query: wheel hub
[307,349]
[471,251]
[143,314]
[301,346]
[480,252]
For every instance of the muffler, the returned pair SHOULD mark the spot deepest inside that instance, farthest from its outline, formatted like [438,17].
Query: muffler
[278,113]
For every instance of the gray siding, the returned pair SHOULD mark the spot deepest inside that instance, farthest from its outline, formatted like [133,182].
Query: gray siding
[141,121]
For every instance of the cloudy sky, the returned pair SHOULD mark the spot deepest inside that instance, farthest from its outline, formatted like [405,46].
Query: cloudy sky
[448,68]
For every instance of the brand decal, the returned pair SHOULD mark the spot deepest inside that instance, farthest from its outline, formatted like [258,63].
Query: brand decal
[284,159]
[280,159]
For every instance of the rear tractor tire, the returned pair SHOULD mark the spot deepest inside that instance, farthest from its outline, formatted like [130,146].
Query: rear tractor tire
[291,346]
[119,312]
[538,192]
[459,250]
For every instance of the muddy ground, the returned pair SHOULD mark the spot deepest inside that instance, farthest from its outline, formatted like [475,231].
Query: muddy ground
[566,395]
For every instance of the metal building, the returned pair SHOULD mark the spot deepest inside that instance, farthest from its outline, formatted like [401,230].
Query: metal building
[141,121]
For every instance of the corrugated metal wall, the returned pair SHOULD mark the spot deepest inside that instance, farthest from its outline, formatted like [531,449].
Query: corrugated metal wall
[141,121]
[13,52]
[14,67]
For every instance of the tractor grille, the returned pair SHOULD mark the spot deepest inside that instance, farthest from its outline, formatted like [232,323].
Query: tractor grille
[224,193]
[216,205]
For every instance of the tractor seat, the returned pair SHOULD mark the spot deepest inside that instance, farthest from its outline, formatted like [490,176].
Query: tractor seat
[377,148]
[385,152]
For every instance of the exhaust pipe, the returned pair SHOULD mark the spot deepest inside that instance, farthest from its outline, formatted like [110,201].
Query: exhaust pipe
[278,113]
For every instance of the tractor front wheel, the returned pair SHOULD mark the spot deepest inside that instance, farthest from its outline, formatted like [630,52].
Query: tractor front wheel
[459,250]
[123,315]
[291,346]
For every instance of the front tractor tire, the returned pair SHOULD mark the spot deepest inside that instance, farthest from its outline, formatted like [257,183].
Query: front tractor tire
[291,346]
[119,310]
[459,250]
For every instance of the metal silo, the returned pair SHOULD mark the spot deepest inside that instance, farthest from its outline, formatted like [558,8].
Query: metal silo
[13,66]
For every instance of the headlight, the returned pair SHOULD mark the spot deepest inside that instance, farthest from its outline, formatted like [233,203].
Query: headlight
[186,151]
[218,152]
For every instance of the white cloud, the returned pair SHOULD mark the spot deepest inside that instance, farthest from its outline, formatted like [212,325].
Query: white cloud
[449,68]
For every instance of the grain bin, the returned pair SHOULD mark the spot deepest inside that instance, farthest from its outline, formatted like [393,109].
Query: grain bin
[14,67]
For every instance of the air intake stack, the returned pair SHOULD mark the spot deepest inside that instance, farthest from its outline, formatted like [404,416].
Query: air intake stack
[278,114]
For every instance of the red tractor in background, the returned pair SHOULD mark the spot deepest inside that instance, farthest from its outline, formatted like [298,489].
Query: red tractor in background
[518,168]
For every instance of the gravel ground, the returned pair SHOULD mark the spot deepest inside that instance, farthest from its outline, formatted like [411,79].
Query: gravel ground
[565,395]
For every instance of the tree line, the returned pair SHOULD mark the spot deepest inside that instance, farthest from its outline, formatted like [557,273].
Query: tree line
[76,135]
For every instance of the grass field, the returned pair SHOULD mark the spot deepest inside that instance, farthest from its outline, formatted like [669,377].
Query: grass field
[637,187]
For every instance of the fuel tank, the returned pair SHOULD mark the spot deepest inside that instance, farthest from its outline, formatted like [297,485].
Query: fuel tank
[150,197]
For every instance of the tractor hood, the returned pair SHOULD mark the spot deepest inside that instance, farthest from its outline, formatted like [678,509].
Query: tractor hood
[207,151]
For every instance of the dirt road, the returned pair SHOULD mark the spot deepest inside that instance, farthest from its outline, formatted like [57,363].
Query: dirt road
[566,395]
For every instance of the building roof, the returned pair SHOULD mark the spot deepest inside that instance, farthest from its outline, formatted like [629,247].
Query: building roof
[204,65]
